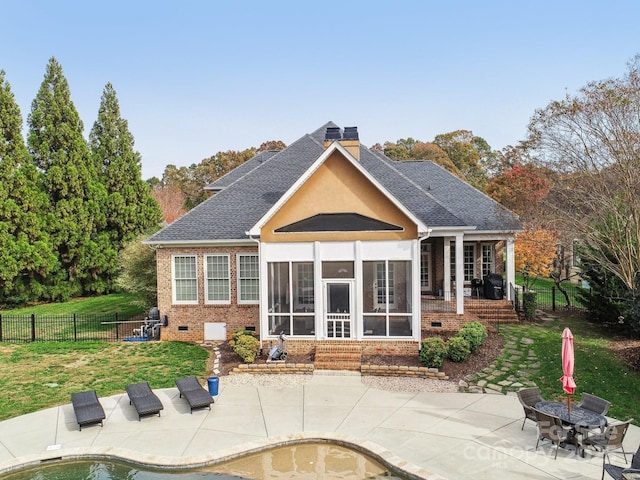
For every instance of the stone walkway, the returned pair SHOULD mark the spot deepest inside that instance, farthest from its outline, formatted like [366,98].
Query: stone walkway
[511,371]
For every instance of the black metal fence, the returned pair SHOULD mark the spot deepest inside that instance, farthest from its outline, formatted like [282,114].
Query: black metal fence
[74,327]
[552,298]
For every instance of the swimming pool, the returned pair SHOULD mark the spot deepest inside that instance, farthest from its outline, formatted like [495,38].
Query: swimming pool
[304,460]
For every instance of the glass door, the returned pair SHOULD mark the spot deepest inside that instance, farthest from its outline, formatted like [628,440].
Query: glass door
[338,309]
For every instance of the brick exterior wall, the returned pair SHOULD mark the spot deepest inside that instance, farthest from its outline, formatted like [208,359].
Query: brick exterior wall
[186,322]
[369,347]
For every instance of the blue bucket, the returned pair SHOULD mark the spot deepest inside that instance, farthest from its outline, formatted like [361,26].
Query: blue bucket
[212,383]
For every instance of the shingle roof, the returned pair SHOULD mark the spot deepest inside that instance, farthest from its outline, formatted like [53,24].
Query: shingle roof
[245,194]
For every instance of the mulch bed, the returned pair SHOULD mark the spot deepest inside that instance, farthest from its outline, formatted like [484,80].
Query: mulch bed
[483,357]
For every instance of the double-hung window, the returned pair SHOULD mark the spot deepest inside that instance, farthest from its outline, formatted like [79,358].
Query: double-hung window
[185,279]
[217,278]
[248,278]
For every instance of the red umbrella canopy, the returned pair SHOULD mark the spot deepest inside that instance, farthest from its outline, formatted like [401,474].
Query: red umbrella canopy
[568,385]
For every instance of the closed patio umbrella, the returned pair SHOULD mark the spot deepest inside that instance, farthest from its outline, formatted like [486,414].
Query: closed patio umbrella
[568,385]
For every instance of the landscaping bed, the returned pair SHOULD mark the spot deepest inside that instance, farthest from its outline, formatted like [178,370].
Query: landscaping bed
[484,356]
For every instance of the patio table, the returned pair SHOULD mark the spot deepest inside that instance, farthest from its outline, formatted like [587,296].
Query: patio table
[580,420]
[579,417]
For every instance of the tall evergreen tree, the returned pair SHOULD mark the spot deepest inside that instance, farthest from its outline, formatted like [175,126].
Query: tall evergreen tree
[56,143]
[130,209]
[25,252]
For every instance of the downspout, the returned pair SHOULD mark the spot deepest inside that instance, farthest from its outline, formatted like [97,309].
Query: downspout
[260,309]
[417,288]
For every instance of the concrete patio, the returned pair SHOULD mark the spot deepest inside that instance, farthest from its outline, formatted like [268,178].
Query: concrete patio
[430,435]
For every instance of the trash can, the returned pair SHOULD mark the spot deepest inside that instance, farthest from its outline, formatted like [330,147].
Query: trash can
[212,383]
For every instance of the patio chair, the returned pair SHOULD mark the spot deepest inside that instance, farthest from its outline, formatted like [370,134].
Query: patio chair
[143,399]
[194,393]
[87,408]
[551,428]
[616,471]
[528,398]
[594,403]
[609,440]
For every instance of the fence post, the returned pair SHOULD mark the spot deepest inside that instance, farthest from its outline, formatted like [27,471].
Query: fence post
[75,328]
[33,327]
[0,327]
[553,298]
[117,327]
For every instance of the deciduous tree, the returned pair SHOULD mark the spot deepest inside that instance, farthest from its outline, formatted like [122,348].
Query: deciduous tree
[171,201]
[138,271]
[469,154]
[592,140]
[535,253]
[522,189]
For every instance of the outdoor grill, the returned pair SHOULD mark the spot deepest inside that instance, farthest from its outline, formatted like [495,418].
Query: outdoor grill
[493,286]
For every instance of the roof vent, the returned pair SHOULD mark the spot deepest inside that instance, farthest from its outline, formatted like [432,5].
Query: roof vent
[350,133]
[333,133]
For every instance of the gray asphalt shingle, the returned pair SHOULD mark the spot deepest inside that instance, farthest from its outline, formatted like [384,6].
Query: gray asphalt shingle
[245,194]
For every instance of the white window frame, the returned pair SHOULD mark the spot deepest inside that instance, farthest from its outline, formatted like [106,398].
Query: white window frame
[174,280]
[208,300]
[389,285]
[491,265]
[465,249]
[240,278]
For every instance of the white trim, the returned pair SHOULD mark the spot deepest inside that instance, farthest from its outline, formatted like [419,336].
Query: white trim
[352,314]
[357,251]
[239,285]
[173,279]
[511,268]
[207,300]
[255,230]
[241,242]
[459,274]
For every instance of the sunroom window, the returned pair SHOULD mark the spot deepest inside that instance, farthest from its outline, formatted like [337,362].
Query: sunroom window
[289,281]
[386,293]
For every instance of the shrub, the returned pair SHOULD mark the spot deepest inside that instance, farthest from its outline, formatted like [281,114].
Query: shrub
[458,349]
[432,352]
[475,333]
[529,305]
[239,333]
[247,346]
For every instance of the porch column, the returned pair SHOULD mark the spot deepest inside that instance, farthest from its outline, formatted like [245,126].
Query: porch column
[511,266]
[459,275]
[446,287]
[416,294]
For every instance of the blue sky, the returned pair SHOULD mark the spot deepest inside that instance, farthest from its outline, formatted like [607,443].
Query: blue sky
[197,77]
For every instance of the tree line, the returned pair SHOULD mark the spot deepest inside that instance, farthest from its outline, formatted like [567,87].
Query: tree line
[68,205]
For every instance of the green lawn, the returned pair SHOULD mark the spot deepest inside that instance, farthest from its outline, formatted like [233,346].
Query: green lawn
[38,375]
[597,370]
[125,304]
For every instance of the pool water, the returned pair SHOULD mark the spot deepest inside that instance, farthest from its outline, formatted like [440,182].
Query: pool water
[308,460]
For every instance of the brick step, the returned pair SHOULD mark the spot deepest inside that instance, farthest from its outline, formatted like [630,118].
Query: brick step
[338,357]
